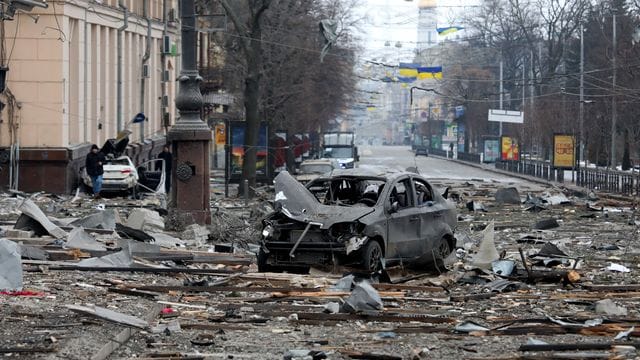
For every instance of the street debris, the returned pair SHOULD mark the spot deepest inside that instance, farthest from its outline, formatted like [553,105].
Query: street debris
[508,195]
[76,282]
[10,266]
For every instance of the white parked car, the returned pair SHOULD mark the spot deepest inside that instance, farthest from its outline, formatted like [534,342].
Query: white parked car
[121,175]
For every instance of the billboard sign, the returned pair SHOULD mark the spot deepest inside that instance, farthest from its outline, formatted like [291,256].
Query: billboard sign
[509,148]
[491,150]
[564,155]
[507,116]
[235,151]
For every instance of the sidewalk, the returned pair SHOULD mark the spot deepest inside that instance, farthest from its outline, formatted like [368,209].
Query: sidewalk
[566,185]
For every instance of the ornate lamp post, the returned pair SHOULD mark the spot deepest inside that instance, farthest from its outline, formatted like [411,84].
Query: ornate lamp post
[190,135]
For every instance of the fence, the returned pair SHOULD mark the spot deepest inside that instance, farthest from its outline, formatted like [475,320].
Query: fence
[539,169]
[618,182]
[438,152]
[608,180]
[469,157]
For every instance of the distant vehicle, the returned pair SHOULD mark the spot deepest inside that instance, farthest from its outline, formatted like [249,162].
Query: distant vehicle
[420,145]
[314,168]
[121,175]
[357,217]
[341,147]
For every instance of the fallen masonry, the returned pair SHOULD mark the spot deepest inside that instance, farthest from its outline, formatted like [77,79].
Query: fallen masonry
[77,282]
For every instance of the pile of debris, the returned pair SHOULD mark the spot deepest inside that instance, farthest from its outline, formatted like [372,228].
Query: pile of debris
[559,282]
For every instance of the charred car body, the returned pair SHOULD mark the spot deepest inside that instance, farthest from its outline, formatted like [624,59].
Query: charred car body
[364,217]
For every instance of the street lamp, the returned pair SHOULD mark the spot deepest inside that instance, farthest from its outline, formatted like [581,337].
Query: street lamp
[190,136]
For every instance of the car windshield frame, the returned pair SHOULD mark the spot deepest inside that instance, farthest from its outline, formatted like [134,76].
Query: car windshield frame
[338,152]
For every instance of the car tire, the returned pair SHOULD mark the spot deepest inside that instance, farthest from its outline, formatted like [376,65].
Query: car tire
[440,252]
[262,261]
[372,256]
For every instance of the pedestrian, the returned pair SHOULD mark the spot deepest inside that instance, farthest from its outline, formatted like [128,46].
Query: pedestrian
[93,164]
[168,160]
[451,149]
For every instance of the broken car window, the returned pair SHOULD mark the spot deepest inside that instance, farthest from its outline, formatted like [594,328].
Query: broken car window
[424,193]
[347,191]
[400,194]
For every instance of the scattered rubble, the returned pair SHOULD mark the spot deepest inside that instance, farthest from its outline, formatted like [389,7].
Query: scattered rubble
[116,283]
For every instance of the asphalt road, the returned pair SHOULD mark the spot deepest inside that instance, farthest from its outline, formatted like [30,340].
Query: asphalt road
[401,157]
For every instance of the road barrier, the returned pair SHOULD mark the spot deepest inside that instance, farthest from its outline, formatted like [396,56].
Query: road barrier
[438,152]
[469,157]
[619,182]
[539,169]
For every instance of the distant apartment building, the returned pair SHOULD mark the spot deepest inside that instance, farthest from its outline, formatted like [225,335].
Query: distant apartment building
[63,92]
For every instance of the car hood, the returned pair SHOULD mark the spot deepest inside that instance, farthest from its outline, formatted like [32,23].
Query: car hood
[298,203]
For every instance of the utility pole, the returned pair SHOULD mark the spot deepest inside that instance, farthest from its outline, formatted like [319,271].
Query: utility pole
[501,88]
[524,86]
[614,110]
[581,142]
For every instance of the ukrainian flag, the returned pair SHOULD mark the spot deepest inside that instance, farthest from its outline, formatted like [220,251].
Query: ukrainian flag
[448,30]
[431,72]
[408,72]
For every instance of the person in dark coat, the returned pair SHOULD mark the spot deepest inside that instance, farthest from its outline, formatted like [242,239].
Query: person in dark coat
[93,164]
[168,159]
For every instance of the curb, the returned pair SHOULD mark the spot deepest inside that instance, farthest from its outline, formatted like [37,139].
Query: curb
[538,180]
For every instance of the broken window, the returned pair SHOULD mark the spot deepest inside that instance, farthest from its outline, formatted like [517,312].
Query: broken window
[400,194]
[424,192]
[347,191]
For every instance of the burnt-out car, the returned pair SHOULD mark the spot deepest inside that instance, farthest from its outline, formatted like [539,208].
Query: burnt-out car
[364,217]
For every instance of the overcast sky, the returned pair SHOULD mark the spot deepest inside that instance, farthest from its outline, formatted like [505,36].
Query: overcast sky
[396,21]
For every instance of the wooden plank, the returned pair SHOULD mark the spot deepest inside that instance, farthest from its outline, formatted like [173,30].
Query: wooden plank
[123,336]
[382,317]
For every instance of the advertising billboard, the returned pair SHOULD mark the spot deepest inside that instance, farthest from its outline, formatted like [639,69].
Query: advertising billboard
[564,155]
[509,148]
[235,151]
[491,150]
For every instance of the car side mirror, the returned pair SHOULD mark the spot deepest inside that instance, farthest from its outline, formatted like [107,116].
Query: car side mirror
[394,207]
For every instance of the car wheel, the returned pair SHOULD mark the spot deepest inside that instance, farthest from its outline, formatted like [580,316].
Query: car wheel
[372,256]
[262,261]
[440,252]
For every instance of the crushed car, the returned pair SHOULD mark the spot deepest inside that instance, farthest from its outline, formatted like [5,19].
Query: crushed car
[367,218]
[121,175]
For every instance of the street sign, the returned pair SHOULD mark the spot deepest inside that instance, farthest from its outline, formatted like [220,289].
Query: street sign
[508,116]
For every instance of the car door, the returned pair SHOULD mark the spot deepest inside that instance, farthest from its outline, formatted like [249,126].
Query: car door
[403,222]
[429,212]
[151,176]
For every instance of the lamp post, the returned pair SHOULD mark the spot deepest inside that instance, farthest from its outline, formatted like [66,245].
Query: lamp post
[190,136]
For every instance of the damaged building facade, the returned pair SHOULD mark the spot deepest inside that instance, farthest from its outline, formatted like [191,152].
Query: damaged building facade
[78,73]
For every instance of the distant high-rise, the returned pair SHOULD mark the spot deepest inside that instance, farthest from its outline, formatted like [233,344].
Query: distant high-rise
[427,23]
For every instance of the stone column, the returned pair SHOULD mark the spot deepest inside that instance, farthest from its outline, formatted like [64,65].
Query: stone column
[190,136]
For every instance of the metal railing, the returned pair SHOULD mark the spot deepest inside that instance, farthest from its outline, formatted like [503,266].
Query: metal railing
[469,157]
[620,182]
[438,152]
[539,169]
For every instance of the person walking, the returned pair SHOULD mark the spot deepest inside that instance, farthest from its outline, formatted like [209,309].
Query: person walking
[168,159]
[93,164]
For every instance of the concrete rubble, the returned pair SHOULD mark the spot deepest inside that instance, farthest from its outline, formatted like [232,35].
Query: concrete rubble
[78,282]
